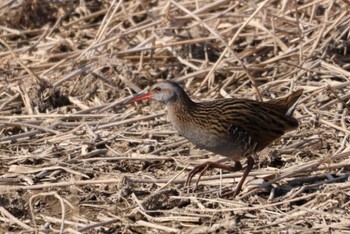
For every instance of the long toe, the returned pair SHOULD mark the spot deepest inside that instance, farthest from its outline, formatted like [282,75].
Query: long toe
[197,169]
[230,194]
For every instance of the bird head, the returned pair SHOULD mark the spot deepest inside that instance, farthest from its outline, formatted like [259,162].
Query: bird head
[165,92]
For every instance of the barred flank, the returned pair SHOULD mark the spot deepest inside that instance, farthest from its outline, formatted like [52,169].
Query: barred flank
[263,122]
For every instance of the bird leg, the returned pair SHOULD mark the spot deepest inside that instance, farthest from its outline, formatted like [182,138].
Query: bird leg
[250,164]
[202,168]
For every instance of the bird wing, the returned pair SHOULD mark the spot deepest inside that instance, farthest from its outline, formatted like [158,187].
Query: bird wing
[247,121]
[285,105]
[262,124]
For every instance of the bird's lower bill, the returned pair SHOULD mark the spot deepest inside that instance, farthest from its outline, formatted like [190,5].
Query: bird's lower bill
[140,97]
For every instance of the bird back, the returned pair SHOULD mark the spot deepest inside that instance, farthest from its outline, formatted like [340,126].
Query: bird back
[285,105]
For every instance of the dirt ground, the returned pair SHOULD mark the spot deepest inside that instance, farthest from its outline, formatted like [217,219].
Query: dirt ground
[75,158]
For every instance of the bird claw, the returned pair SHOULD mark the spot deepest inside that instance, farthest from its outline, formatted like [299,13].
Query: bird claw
[230,194]
[202,168]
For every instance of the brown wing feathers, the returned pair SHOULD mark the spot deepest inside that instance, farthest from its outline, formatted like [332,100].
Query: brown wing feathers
[262,122]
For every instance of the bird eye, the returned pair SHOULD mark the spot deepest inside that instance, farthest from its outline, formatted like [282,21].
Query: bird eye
[157,89]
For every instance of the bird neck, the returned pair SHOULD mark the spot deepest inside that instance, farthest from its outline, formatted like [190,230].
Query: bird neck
[182,103]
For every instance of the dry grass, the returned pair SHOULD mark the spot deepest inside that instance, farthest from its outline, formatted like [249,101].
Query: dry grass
[75,159]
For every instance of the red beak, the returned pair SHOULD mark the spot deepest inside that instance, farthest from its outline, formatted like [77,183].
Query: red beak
[139,97]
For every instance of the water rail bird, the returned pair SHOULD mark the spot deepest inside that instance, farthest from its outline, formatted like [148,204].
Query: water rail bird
[234,128]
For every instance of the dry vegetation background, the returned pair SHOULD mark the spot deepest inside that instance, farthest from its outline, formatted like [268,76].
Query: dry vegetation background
[76,159]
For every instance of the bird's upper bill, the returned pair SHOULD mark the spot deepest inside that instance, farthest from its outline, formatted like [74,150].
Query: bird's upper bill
[139,97]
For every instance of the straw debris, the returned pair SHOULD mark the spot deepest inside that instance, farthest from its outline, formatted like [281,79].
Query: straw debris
[76,158]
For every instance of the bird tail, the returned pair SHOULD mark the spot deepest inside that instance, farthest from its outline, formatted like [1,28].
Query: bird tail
[294,101]
[287,104]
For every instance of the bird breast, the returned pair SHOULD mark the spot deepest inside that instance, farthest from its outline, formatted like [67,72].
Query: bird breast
[204,138]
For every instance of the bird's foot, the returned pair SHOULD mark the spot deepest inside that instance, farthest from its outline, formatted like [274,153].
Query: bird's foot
[230,194]
[202,168]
